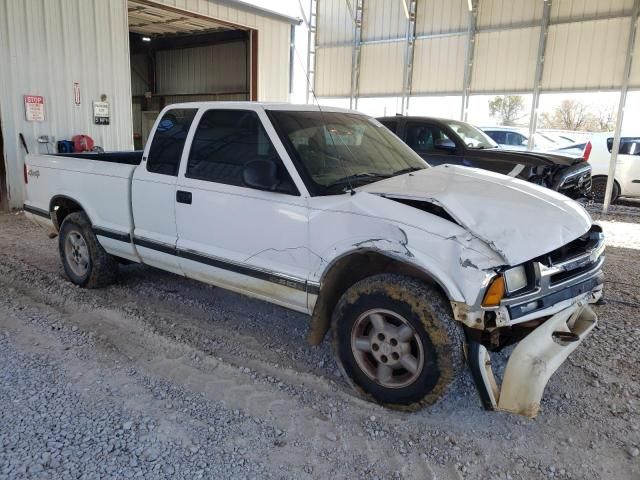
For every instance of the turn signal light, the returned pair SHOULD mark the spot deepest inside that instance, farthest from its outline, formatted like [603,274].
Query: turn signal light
[494,293]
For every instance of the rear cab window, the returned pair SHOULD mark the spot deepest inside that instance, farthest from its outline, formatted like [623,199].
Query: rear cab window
[168,141]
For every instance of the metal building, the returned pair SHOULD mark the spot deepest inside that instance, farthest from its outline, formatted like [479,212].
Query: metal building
[477,46]
[59,58]
[409,48]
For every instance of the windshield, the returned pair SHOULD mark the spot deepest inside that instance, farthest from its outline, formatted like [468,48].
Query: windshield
[337,151]
[471,136]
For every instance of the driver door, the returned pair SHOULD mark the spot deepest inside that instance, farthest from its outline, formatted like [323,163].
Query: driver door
[229,234]
[428,140]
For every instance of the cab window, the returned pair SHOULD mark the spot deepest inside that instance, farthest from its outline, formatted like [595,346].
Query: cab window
[168,141]
[225,141]
[423,138]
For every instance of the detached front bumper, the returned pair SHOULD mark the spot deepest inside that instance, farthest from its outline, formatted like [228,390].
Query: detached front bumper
[533,361]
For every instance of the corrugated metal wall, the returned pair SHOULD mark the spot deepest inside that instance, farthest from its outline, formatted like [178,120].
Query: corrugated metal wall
[333,58]
[587,55]
[333,71]
[441,66]
[382,20]
[586,46]
[46,45]
[436,16]
[273,42]
[212,69]
[502,13]
[139,74]
[43,50]
[505,61]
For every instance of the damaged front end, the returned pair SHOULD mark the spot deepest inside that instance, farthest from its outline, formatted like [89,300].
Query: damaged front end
[547,320]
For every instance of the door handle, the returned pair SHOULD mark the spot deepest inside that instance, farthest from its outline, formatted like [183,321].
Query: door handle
[183,197]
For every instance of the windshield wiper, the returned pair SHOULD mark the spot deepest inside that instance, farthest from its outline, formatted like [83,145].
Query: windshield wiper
[358,177]
[406,170]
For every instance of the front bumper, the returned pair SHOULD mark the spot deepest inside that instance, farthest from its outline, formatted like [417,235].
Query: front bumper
[533,360]
[574,181]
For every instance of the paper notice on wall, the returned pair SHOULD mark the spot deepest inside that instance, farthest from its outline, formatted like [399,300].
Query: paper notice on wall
[101,113]
[34,108]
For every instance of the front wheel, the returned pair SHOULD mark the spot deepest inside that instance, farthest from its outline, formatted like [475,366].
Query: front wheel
[85,262]
[396,341]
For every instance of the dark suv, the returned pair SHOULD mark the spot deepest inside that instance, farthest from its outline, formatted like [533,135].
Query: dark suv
[441,141]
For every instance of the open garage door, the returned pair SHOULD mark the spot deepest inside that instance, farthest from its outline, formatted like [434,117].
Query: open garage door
[179,56]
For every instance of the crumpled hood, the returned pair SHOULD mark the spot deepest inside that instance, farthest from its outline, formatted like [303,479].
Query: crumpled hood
[517,219]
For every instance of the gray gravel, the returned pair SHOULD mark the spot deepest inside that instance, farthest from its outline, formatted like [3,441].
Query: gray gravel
[162,377]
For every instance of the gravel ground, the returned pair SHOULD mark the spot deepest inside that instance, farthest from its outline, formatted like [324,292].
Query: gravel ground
[162,377]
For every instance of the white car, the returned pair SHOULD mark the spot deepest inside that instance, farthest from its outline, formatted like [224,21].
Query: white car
[513,138]
[329,213]
[627,177]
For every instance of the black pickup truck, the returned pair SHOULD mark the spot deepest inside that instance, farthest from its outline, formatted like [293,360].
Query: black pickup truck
[441,141]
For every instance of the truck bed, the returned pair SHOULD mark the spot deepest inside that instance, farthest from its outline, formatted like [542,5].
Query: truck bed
[99,183]
[128,158]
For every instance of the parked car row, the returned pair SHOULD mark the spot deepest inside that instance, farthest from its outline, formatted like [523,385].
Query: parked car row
[596,149]
[441,141]
[576,168]
[513,138]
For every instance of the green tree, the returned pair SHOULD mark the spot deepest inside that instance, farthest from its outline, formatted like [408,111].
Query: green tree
[507,109]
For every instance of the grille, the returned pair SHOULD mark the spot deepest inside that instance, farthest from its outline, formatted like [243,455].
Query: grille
[574,249]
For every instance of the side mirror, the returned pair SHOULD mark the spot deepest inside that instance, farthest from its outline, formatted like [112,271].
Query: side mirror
[261,175]
[446,145]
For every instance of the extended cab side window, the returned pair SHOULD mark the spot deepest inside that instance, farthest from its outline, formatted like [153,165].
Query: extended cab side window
[628,145]
[225,141]
[422,138]
[168,141]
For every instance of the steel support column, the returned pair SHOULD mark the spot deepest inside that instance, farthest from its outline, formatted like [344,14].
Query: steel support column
[407,77]
[355,53]
[623,99]
[311,49]
[542,48]
[468,66]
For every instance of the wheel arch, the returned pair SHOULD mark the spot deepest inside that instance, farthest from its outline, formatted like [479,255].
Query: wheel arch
[61,206]
[605,177]
[348,269]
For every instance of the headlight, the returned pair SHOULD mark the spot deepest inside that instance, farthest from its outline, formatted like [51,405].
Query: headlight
[515,279]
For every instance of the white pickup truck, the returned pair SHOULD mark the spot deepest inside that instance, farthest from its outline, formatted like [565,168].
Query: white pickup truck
[414,269]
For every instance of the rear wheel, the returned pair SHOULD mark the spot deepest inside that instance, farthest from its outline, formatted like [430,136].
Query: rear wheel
[85,262]
[599,187]
[396,341]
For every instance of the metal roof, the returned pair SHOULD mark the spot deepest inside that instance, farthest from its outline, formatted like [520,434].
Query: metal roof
[586,47]
[148,18]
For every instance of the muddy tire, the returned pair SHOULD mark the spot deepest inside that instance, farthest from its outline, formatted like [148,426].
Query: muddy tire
[599,187]
[396,342]
[85,262]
